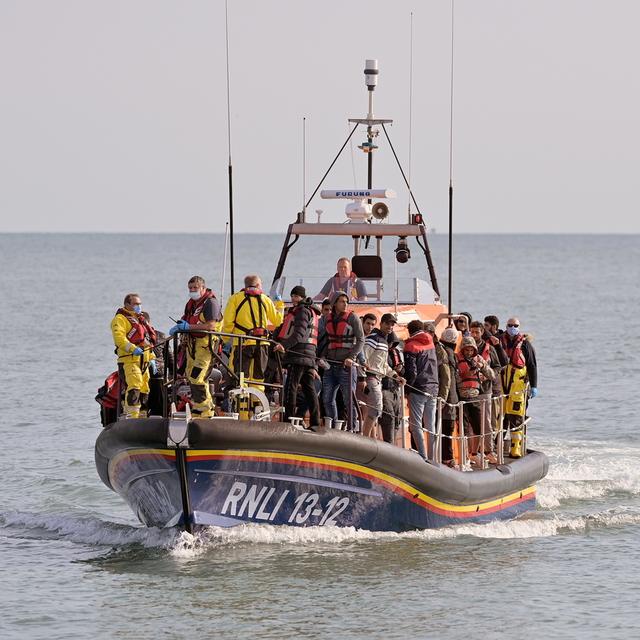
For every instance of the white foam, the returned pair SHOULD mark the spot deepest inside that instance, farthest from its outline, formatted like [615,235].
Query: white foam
[588,470]
[537,525]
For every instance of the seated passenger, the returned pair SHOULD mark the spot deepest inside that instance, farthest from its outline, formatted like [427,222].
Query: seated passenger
[344,280]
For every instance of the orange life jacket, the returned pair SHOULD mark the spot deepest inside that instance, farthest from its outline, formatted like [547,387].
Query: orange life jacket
[514,351]
[469,378]
[193,310]
[339,331]
[286,329]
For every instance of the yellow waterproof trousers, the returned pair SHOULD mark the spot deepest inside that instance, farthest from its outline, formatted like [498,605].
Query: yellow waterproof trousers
[199,365]
[136,385]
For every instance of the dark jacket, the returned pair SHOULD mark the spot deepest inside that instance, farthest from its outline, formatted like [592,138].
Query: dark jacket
[450,413]
[298,350]
[495,386]
[421,364]
[395,357]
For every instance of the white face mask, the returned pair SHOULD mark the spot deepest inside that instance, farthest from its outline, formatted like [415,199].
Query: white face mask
[195,295]
[513,331]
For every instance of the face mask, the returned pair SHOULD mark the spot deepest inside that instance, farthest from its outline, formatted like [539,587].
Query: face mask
[513,331]
[138,308]
[194,295]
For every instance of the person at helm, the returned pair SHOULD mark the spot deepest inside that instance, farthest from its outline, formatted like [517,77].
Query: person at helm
[134,339]
[345,281]
[201,313]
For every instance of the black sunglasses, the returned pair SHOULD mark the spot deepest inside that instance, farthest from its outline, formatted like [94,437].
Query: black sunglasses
[513,325]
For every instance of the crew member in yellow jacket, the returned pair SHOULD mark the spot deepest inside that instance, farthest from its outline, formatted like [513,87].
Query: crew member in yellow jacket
[134,339]
[201,313]
[250,312]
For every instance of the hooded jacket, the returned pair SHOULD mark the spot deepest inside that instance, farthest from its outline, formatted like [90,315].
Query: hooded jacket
[421,364]
[298,348]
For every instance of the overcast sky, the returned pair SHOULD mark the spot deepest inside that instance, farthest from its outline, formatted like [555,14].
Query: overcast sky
[113,113]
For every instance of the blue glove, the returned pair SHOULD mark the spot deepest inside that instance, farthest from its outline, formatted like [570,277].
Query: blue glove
[534,392]
[183,325]
[153,367]
[137,351]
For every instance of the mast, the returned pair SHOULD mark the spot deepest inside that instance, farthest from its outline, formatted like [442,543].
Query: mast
[231,254]
[371,80]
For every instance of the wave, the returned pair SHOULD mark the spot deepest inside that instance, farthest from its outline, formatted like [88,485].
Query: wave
[581,471]
[180,544]
[86,530]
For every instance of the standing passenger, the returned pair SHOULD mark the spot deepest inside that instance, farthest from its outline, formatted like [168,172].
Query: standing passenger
[473,370]
[344,342]
[449,339]
[390,420]
[376,355]
[298,339]
[421,372]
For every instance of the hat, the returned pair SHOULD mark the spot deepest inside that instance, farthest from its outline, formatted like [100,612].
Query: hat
[337,295]
[449,335]
[299,290]
[468,341]
[389,318]
[429,327]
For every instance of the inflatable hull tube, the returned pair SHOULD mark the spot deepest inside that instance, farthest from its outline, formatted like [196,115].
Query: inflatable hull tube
[266,472]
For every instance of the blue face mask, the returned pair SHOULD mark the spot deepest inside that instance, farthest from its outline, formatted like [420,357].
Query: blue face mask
[195,295]
[513,331]
[138,308]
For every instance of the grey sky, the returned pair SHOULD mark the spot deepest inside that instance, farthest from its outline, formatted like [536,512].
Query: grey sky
[113,113]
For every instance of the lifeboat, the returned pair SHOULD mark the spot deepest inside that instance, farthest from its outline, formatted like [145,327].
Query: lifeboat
[174,470]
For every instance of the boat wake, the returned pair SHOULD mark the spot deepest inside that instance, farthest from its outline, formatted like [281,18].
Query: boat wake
[583,471]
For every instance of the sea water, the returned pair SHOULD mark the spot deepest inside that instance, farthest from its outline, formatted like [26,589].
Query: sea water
[76,563]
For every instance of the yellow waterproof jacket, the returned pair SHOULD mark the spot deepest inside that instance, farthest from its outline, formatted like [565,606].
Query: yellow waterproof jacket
[246,312]
[121,327]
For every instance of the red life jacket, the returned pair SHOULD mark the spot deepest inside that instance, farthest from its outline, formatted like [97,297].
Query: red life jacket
[339,331]
[350,289]
[469,378]
[109,392]
[286,328]
[258,330]
[486,351]
[514,351]
[141,331]
[193,309]
[394,357]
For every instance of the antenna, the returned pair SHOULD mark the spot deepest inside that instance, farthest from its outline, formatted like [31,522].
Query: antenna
[224,262]
[304,169]
[410,106]
[226,32]
[450,294]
